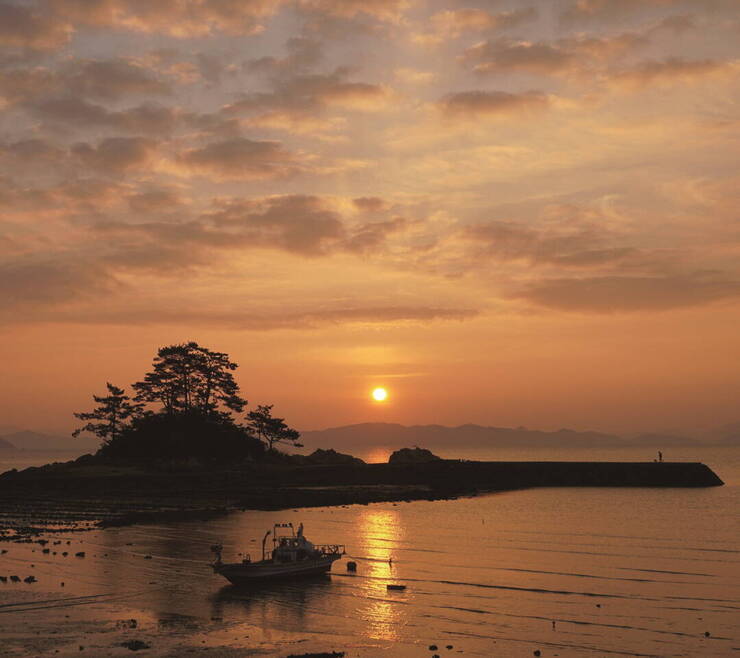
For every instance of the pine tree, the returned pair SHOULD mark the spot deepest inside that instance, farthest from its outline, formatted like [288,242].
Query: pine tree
[271,430]
[114,413]
[188,377]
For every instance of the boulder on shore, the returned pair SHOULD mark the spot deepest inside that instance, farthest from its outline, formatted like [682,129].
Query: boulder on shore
[413,455]
[329,456]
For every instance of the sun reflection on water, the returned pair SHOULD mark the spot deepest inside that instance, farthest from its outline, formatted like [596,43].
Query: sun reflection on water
[381,534]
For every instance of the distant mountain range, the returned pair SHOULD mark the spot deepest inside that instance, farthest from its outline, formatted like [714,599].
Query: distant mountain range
[28,440]
[392,435]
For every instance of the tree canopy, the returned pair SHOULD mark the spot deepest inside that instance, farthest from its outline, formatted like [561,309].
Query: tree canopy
[183,408]
[188,377]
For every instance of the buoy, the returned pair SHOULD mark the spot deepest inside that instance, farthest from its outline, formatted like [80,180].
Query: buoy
[351,566]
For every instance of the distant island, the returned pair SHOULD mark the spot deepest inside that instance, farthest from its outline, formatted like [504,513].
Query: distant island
[6,446]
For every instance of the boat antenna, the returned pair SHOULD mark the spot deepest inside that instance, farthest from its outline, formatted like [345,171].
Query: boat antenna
[264,539]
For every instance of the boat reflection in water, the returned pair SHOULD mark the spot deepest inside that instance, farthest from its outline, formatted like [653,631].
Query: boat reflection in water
[292,555]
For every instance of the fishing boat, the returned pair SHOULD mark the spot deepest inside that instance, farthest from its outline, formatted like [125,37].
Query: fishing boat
[292,555]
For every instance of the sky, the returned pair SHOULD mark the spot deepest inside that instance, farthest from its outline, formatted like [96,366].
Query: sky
[504,212]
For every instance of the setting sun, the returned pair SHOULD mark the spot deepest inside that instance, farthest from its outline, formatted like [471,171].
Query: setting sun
[379,394]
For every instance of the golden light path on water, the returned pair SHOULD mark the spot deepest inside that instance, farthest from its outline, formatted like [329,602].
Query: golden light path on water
[380,531]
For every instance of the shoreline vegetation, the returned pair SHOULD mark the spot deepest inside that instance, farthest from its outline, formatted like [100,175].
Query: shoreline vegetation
[177,449]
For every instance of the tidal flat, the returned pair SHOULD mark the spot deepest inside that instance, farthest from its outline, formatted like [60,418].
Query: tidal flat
[647,572]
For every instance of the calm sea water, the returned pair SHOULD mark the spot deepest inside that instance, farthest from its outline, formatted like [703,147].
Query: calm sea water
[620,571]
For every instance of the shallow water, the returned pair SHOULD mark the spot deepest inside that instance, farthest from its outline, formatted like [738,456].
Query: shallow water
[620,571]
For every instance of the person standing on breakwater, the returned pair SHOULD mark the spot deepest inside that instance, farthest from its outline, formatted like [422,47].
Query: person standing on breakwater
[660,456]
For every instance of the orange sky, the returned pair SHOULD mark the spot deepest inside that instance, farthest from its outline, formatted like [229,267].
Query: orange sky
[507,213]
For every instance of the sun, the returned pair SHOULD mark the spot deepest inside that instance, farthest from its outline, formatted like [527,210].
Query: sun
[379,394]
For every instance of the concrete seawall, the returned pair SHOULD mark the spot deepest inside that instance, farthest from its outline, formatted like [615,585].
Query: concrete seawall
[515,475]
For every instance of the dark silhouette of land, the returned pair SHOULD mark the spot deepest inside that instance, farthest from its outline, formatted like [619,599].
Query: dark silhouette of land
[88,489]
[177,449]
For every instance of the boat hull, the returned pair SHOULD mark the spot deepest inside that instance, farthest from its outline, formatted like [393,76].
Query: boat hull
[241,574]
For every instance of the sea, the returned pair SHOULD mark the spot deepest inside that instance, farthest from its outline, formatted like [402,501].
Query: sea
[538,572]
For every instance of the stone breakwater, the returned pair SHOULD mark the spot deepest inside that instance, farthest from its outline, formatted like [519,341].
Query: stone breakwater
[72,493]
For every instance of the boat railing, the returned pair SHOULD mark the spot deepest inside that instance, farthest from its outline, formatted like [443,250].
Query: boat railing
[330,549]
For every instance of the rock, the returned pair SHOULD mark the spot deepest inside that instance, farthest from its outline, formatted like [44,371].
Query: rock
[413,455]
[432,647]
[147,557]
[80,554]
[706,633]
[15,579]
[29,579]
[135,645]
[127,623]
[449,646]
[537,652]
[46,550]
[399,588]
[330,456]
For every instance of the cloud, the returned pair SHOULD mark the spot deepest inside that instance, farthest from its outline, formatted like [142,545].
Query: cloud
[24,26]
[548,58]
[254,319]
[384,10]
[110,79]
[147,118]
[414,76]
[303,54]
[175,18]
[492,103]
[370,237]
[33,151]
[370,203]
[611,294]
[20,84]
[116,154]
[303,225]
[36,282]
[571,243]
[674,70]
[453,23]
[297,223]
[302,94]
[588,10]
[155,200]
[240,159]
[81,80]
